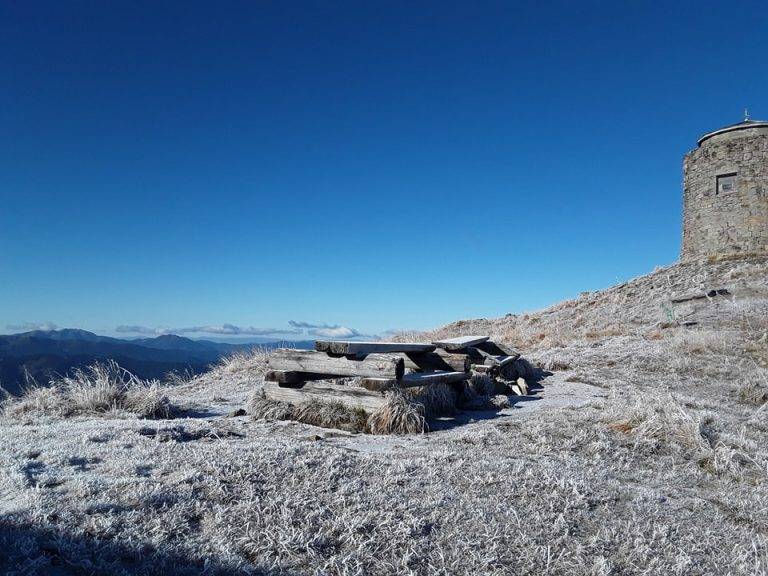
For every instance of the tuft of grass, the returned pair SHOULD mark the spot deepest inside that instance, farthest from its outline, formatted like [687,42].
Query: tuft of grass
[331,415]
[500,401]
[754,389]
[313,412]
[438,399]
[481,385]
[35,400]
[263,408]
[398,416]
[479,393]
[606,332]
[97,389]
[177,378]
[662,421]
[147,401]
[661,424]
[254,362]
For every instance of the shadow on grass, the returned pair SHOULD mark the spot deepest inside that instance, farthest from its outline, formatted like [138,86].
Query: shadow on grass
[464,417]
[51,551]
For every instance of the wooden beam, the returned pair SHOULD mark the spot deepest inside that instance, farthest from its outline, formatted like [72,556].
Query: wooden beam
[437,360]
[362,349]
[496,349]
[497,361]
[488,360]
[483,369]
[455,344]
[700,295]
[414,379]
[374,365]
[286,377]
[505,360]
[352,396]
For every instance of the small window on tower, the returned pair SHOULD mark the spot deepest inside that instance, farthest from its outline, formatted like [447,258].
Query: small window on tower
[726,183]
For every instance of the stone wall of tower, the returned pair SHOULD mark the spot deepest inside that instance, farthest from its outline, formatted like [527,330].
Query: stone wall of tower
[718,223]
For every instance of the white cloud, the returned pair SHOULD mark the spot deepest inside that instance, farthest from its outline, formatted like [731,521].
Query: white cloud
[395,331]
[325,330]
[134,329]
[231,329]
[300,324]
[223,329]
[334,332]
[29,326]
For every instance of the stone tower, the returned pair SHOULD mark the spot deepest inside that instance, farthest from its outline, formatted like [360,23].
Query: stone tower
[725,193]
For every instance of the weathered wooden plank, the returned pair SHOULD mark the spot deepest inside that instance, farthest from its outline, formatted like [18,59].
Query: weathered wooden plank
[437,360]
[700,295]
[483,369]
[488,360]
[373,365]
[414,379]
[497,349]
[362,349]
[498,361]
[504,360]
[454,344]
[286,377]
[474,355]
[352,396]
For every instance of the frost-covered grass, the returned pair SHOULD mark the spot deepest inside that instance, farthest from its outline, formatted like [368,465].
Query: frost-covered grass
[753,388]
[629,487]
[639,308]
[254,362]
[399,415]
[98,389]
[330,415]
[405,411]
[438,399]
[666,473]
[263,408]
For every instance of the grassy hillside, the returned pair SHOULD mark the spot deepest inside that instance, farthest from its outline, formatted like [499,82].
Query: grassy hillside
[653,460]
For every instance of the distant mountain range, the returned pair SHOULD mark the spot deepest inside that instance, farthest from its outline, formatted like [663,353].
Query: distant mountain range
[46,353]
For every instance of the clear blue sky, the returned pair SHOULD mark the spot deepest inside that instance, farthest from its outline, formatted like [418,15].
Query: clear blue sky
[369,165]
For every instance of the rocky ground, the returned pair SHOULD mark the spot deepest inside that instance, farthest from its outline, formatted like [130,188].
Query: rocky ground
[644,451]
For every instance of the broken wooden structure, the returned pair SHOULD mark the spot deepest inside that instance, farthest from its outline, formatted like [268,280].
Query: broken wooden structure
[298,375]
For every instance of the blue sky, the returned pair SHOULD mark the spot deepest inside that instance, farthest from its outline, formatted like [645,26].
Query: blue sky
[232,167]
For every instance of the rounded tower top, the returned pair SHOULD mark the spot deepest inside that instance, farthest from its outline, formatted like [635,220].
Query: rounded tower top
[725,193]
[746,124]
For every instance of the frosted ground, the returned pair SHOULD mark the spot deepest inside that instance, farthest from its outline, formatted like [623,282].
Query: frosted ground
[646,452]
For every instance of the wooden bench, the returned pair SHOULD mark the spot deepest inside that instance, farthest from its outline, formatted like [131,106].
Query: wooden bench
[297,375]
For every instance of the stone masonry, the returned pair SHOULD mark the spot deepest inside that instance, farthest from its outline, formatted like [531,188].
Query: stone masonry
[725,193]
